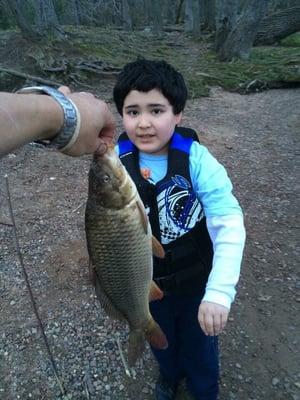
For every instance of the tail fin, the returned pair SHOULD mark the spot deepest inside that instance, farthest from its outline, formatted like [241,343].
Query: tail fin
[155,335]
[136,345]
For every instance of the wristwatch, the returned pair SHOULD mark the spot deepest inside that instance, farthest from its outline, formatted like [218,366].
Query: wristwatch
[69,132]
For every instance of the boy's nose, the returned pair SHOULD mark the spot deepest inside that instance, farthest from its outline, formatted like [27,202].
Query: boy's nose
[144,122]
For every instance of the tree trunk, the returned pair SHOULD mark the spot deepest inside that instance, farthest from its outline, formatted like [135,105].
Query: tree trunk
[277,26]
[126,16]
[46,19]
[192,17]
[240,40]
[170,13]
[225,20]
[279,5]
[72,13]
[147,12]
[157,17]
[178,12]
[209,14]
[27,31]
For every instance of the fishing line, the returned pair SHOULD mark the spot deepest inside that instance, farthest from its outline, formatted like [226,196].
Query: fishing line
[33,302]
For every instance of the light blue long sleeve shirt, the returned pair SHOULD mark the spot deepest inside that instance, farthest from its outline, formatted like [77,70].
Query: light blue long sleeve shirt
[224,217]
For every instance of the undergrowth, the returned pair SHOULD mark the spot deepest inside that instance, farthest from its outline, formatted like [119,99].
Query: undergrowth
[267,67]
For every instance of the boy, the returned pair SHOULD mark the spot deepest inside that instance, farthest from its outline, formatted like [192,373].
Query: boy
[192,211]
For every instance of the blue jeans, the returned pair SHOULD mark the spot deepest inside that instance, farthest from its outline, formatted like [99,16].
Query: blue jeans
[191,354]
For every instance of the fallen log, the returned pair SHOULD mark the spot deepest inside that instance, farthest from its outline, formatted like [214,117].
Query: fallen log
[277,26]
[30,77]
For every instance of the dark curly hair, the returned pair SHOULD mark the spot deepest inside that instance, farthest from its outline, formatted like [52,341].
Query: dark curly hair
[144,75]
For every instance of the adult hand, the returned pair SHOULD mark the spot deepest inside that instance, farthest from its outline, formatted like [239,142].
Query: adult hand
[97,122]
[212,317]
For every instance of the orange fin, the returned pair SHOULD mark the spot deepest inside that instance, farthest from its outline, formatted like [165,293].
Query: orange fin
[157,248]
[155,335]
[155,292]
[144,218]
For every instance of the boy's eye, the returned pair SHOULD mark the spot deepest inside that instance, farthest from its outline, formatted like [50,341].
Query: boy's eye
[157,111]
[133,113]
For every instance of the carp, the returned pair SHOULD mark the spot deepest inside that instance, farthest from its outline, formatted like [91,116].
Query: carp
[120,243]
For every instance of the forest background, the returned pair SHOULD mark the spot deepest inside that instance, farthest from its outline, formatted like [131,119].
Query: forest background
[83,41]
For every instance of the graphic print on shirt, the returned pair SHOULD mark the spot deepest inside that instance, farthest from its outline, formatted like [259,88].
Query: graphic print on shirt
[178,208]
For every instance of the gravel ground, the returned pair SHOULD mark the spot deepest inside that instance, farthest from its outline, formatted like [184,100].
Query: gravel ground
[255,137]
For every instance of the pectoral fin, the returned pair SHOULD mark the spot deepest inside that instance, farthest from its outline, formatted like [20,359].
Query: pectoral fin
[155,292]
[155,335]
[157,248]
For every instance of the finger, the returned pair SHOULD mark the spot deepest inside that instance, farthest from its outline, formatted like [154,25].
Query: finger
[223,320]
[107,135]
[87,94]
[209,324]
[201,322]
[102,148]
[217,324]
[64,89]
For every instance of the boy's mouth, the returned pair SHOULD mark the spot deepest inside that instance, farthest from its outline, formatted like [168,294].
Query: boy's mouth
[145,136]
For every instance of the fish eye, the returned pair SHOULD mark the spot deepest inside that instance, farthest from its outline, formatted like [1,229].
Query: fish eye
[105,178]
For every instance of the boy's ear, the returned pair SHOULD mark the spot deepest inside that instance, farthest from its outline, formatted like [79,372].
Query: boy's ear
[178,118]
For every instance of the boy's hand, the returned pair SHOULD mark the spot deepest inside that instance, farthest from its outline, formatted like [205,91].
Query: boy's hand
[212,317]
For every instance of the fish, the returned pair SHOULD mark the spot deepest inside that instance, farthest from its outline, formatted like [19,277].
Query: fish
[120,246]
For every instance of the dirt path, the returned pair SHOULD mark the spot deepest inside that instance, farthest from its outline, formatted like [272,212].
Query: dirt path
[256,138]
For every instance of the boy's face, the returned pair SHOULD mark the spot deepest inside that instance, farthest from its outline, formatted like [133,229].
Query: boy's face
[149,120]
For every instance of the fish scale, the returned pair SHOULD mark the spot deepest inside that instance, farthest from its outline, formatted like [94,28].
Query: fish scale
[118,265]
[119,244]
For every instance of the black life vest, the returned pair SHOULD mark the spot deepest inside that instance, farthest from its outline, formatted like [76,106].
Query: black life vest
[176,216]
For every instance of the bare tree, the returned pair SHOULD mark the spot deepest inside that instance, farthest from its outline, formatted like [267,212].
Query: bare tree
[277,26]
[126,15]
[157,16]
[241,37]
[46,19]
[208,13]
[179,11]
[225,20]
[72,12]
[18,12]
[192,22]
[278,5]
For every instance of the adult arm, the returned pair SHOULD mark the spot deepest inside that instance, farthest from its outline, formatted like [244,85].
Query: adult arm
[28,117]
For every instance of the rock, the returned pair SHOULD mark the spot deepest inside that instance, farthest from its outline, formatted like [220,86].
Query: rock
[275,381]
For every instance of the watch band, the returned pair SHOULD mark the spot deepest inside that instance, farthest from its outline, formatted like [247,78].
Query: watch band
[69,132]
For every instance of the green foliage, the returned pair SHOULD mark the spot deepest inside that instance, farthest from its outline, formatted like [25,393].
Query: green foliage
[267,66]
[292,40]
[6,20]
